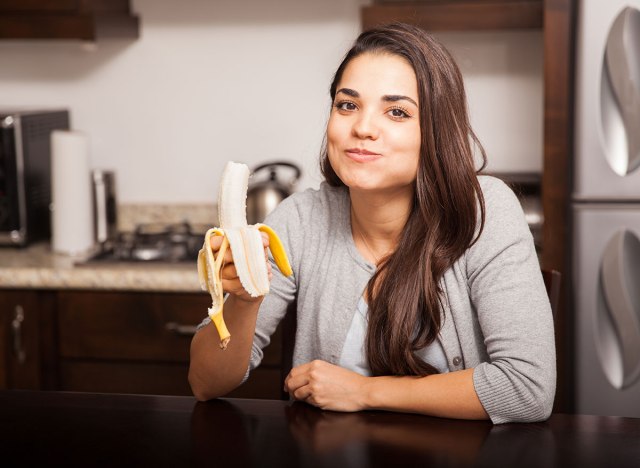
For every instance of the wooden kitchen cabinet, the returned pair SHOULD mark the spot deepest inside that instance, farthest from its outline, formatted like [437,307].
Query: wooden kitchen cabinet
[456,15]
[112,342]
[139,343]
[67,19]
[27,350]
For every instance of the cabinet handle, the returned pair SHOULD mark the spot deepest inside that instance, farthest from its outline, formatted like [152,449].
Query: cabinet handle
[180,329]
[16,330]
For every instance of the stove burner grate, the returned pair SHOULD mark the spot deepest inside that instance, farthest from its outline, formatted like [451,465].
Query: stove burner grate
[155,242]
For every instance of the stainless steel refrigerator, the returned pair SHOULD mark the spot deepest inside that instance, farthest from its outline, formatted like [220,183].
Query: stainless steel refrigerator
[606,208]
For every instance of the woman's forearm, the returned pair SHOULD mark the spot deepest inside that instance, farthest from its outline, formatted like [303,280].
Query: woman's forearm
[450,395]
[214,372]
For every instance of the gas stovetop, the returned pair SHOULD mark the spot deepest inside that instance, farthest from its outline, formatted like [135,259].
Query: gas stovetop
[173,243]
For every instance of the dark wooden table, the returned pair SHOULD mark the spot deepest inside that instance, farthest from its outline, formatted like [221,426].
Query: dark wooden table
[65,429]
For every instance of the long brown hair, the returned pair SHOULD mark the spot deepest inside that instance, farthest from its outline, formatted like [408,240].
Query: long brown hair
[405,297]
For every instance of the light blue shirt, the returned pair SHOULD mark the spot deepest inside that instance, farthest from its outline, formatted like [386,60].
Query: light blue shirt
[353,355]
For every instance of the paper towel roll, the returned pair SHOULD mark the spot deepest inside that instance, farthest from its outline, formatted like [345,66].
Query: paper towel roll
[72,217]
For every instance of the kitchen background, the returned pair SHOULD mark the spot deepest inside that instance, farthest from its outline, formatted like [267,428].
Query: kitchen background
[211,81]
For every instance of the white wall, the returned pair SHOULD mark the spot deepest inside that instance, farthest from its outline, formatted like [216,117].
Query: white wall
[504,82]
[213,80]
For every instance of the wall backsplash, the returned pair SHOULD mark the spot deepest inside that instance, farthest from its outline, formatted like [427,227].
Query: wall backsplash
[131,215]
[248,81]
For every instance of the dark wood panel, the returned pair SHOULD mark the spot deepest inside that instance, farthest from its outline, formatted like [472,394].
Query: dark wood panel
[559,21]
[5,342]
[272,353]
[20,339]
[67,19]
[263,383]
[82,429]
[26,374]
[48,339]
[127,325]
[39,5]
[154,379]
[65,6]
[105,6]
[457,15]
[83,27]
[124,377]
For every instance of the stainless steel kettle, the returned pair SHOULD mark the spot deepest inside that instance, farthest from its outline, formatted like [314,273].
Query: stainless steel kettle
[264,195]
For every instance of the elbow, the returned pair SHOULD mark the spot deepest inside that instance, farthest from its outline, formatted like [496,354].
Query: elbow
[546,399]
[200,394]
[205,389]
[199,388]
[510,397]
[542,397]
[537,410]
[537,403]
[529,409]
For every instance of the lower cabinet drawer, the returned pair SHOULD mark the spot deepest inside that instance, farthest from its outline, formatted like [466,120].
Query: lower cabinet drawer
[128,326]
[116,342]
[136,326]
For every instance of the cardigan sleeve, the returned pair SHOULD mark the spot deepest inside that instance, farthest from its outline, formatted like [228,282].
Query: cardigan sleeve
[285,221]
[518,382]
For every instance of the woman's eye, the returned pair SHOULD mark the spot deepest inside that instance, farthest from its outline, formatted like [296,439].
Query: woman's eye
[346,106]
[398,113]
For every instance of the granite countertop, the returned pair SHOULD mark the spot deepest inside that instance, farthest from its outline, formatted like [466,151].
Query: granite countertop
[37,267]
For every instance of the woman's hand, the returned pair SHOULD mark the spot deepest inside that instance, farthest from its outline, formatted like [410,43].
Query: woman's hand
[230,280]
[327,386]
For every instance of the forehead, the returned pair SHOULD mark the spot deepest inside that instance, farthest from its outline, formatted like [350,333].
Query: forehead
[379,74]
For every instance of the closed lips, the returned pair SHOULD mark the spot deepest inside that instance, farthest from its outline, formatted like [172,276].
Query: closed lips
[362,154]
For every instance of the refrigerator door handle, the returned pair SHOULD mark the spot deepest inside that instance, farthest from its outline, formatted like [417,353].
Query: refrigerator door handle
[622,74]
[620,276]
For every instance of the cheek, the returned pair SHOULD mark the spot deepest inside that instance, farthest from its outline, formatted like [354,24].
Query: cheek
[333,131]
[335,138]
[415,141]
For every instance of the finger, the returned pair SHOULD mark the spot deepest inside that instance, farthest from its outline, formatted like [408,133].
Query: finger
[265,239]
[215,242]
[233,286]
[295,382]
[299,370]
[302,393]
[229,272]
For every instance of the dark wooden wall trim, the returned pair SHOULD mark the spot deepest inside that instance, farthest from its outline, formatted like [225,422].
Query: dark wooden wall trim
[559,38]
[67,19]
[463,15]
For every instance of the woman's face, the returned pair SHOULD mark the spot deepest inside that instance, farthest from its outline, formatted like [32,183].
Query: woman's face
[373,134]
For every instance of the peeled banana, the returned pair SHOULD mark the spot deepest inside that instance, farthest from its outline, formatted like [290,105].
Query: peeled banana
[246,246]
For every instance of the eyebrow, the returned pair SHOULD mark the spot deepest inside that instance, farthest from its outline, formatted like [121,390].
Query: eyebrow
[386,98]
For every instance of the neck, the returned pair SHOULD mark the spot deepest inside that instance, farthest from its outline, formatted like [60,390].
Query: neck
[379,220]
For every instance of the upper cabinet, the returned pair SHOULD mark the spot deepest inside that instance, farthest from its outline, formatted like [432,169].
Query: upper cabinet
[87,20]
[456,15]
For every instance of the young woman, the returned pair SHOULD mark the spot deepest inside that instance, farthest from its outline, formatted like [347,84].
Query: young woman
[417,284]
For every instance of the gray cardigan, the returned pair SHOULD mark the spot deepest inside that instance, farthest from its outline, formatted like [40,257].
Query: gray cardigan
[497,317]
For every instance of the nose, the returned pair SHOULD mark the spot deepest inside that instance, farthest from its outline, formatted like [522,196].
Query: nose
[365,127]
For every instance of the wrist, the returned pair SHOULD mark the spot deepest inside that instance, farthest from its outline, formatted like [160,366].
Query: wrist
[247,302]
[369,393]
[248,299]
